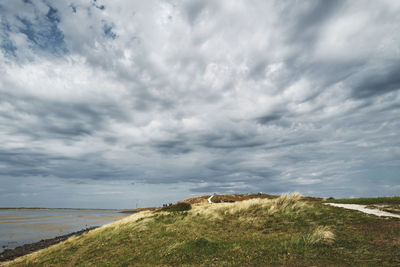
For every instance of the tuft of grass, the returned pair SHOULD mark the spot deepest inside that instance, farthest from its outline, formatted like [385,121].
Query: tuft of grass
[181,206]
[286,200]
[321,235]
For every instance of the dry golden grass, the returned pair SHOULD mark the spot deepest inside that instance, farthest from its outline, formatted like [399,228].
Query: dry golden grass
[284,203]
[322,234]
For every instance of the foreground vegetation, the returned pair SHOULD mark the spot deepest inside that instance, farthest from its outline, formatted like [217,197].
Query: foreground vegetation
[255,232]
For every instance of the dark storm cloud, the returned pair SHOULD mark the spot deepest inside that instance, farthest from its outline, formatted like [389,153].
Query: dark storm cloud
[25,163]
[200,96]
[378,81]
[230,140]
[58,119]
[21,163]
[172,147]
[268,118]
[218,188]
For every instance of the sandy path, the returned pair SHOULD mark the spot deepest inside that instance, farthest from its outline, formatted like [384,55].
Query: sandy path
[363,208]
[209,199]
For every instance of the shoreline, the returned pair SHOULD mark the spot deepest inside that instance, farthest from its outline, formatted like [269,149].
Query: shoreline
[12,253]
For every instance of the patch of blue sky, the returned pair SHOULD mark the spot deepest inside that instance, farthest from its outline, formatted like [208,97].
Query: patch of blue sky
[6,45]
[52,15]
[43,32]
[108,32]
[73,8]
[101,7]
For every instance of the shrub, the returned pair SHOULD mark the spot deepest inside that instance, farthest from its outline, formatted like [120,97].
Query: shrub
[181,206]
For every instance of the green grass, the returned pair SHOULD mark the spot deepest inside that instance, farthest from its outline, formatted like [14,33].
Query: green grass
[367,201]
[278,232]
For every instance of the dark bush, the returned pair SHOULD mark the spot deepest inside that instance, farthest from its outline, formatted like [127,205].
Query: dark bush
[181,206]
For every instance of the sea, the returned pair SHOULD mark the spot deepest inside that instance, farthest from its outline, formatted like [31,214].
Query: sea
[25,226]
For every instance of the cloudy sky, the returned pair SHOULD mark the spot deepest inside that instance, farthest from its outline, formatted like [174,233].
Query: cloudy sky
[123,103]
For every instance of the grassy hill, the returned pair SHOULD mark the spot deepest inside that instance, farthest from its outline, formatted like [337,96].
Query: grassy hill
[286,230]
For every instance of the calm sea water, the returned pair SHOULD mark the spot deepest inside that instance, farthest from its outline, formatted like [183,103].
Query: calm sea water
[24,226]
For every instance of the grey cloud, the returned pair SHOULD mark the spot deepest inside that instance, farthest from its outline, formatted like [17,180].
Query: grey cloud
[377,81]
[22,162]
[194,10]
[306,19]
[268,118]
[230,140]
[200,96]
[27,163]
[218,188]
[55,119]
[172,147]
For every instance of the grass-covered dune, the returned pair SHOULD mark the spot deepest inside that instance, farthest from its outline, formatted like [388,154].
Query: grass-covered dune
[283,231]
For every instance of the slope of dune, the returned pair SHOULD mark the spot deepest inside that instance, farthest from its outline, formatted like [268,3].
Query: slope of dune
[255,232]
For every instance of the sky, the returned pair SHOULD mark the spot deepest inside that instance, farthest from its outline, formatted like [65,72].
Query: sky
[124,104]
